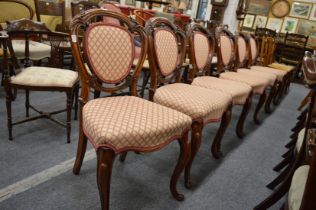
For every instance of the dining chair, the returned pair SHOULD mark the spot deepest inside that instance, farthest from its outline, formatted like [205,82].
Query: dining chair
[226,67]
[202,46]
[38,78]
[167,48]
[116,125]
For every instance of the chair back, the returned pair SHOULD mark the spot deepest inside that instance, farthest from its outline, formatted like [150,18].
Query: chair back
[15,10]
[51,12]
[201,49]
[80,6]
[167,49]
[266,55]
[111,7]
[142,16]
[242,51]
[226,49]
[105,54]
[309,68]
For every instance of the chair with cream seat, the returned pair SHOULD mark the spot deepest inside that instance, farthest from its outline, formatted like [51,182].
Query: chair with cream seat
[226,68]
[202,45]
[167,48]
[38,78]
[116,125]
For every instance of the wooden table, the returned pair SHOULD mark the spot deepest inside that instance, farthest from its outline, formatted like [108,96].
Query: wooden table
[153,1]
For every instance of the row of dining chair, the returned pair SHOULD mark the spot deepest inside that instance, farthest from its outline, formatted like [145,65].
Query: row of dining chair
[117,125]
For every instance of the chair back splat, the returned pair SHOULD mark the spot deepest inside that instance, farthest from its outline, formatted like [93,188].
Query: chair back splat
[114,73]
[165,63]
[202,46]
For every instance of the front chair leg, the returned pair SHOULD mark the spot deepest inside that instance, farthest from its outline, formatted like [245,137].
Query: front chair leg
[81,150]
[216,146]
[104,171]
[195,146]
[272,94]
[241,121]
[182,162]
[27,103]
[259,106]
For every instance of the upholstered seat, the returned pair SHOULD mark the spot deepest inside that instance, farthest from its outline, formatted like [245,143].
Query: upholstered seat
[258,84]
[269,76]
[297,188]
[282,66]
[239,91]
[279,73]
[38,50]
[199,103]
[45,77]
[128,122]
[300,139]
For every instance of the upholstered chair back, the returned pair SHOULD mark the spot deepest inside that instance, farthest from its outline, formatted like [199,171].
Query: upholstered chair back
[253,49]
[167,47]
[106,53]
[111,7]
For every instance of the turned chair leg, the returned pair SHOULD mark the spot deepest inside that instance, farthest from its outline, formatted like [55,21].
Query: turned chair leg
[195,146]
[259,106]
[27,103]
[182,162]
[81,150]
[104,171]
[123,156]
[272,94]
[241,121]
[216,146]
[69,108]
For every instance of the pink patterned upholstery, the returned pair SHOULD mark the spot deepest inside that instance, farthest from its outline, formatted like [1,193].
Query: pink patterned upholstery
[166,47]
[226,49]
[110,51]
[199,103]
[127,122]
[269,76]
[258,84]
[201,49]
[239,91]
[279,73]
[253,47]
[242,49]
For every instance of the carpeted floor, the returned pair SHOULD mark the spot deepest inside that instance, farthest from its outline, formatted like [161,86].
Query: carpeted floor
[236,181]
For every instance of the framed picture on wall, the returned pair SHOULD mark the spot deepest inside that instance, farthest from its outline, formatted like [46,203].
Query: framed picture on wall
[289,25]
[301,10]
[258,7]
[274,24]
[306,27]
[313,13]
[248,21]
[260,22]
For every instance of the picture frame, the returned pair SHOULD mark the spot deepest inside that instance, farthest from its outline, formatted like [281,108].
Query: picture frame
[301,10]
[289,25]
[260,21]
[249,20]
[258,7]
[274,24]
[306,27]
[313,13]
[130,2]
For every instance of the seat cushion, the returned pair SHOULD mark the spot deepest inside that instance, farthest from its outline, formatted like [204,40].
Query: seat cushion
[300,139]
[282,66]
[257,84]
[38,50]
[279,73]
[40,76]
[130,123]
[239,91]
[199,103]
[297,188]
[269,76]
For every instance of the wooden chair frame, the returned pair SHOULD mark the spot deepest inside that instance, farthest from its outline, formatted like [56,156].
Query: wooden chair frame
[22,3]
[30,30]
[107,155]
[158,79]
[195,71]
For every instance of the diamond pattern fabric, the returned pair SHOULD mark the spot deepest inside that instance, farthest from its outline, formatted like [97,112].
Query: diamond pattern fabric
[239,91]
[199,103]
[166,48]
[40,76]
[279,73]
[201,47]
[110,51]
[226,49]
[253,48]
[269,76]
[127,123]
[258,84]
[241,49]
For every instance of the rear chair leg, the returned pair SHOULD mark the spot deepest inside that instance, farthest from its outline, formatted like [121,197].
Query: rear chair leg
[27,103]
[69,108]
[241,121]
[259,106]
[81,150]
